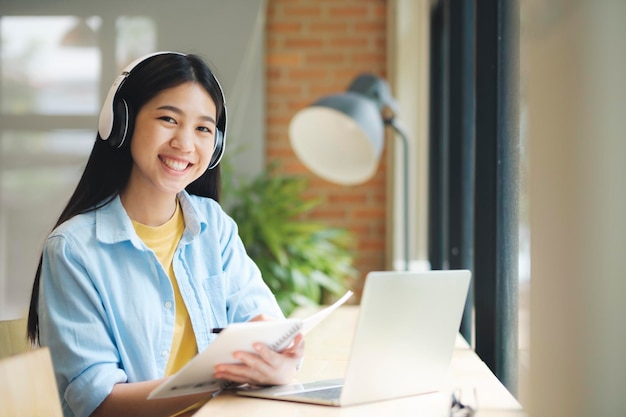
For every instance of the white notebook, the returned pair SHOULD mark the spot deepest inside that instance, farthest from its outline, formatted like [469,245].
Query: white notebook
[196,376]
[403,342]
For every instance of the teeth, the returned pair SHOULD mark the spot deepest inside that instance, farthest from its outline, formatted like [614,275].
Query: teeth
[175,165]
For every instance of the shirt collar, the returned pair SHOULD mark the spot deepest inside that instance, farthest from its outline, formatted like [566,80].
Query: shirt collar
[113,224]
[195,222]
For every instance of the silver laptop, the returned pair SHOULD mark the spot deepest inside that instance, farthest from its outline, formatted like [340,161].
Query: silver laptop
[403,341]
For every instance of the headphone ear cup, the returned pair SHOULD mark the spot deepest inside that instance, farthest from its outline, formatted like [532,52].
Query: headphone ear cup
[218,150]
[220,136]
[121,128]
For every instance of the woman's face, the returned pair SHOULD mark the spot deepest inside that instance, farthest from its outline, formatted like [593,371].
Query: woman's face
[173,140]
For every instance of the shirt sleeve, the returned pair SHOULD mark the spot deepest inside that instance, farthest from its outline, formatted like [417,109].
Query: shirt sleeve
[73,324]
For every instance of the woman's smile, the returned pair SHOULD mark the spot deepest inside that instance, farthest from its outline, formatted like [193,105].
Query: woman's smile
[175,164]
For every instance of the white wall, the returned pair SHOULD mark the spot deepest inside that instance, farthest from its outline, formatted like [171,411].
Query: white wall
[577,127]
[408,54]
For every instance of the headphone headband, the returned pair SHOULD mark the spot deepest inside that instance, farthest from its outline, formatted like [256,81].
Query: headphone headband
[114,108]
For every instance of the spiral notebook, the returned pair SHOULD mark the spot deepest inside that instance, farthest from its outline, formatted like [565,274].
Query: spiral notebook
[403,341]
[196,376]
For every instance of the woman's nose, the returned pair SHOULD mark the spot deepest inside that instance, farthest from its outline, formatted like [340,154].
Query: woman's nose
[183,139]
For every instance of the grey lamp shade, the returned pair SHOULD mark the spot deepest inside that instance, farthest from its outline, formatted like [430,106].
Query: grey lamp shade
[339,138]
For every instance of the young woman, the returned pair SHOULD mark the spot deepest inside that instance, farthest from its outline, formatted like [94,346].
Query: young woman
[143,262]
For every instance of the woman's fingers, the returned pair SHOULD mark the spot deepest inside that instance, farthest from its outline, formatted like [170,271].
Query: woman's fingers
[265,367]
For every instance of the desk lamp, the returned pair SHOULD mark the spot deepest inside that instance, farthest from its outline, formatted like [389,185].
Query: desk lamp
[340,137]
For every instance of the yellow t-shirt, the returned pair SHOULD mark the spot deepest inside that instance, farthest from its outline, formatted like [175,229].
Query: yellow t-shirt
[163,240]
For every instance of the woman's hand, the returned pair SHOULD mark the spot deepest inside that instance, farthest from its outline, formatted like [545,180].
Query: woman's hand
[265,366]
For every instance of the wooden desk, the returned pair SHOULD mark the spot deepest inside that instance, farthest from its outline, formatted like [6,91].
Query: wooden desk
[327,350]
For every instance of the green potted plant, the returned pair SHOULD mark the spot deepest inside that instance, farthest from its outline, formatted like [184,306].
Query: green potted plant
[304,262]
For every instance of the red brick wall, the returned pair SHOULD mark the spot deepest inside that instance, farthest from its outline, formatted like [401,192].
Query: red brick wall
[315,48]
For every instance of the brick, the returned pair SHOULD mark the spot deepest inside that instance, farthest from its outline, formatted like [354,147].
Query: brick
[349,12]
[302,11]
[283,59]
[306,43]
[328,26]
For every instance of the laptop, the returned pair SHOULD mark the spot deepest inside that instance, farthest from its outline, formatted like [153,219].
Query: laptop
[403,341]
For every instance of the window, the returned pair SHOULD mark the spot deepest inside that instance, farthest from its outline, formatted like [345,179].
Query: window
[50,84]
[474,193]
[43,72]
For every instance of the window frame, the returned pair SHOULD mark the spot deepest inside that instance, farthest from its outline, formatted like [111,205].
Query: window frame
[474,159]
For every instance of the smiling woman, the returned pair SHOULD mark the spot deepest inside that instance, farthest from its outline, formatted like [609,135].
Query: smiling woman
[143,261]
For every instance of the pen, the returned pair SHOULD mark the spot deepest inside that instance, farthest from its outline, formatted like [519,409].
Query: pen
[217,329]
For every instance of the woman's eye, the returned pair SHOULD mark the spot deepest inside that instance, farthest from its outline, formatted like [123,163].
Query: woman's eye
[167,119]
[205,129]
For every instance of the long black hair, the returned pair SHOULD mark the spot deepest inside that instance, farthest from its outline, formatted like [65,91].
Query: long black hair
[108,170]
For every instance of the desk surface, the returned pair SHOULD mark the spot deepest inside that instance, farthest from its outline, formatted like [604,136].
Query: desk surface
[327,350]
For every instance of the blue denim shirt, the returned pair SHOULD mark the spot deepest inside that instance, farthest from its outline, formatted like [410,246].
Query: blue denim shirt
[106,306]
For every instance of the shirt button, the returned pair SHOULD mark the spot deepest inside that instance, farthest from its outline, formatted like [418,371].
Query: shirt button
[168,304]
[164,353]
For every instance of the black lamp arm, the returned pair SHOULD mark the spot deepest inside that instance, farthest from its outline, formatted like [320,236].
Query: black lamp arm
[405,185]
